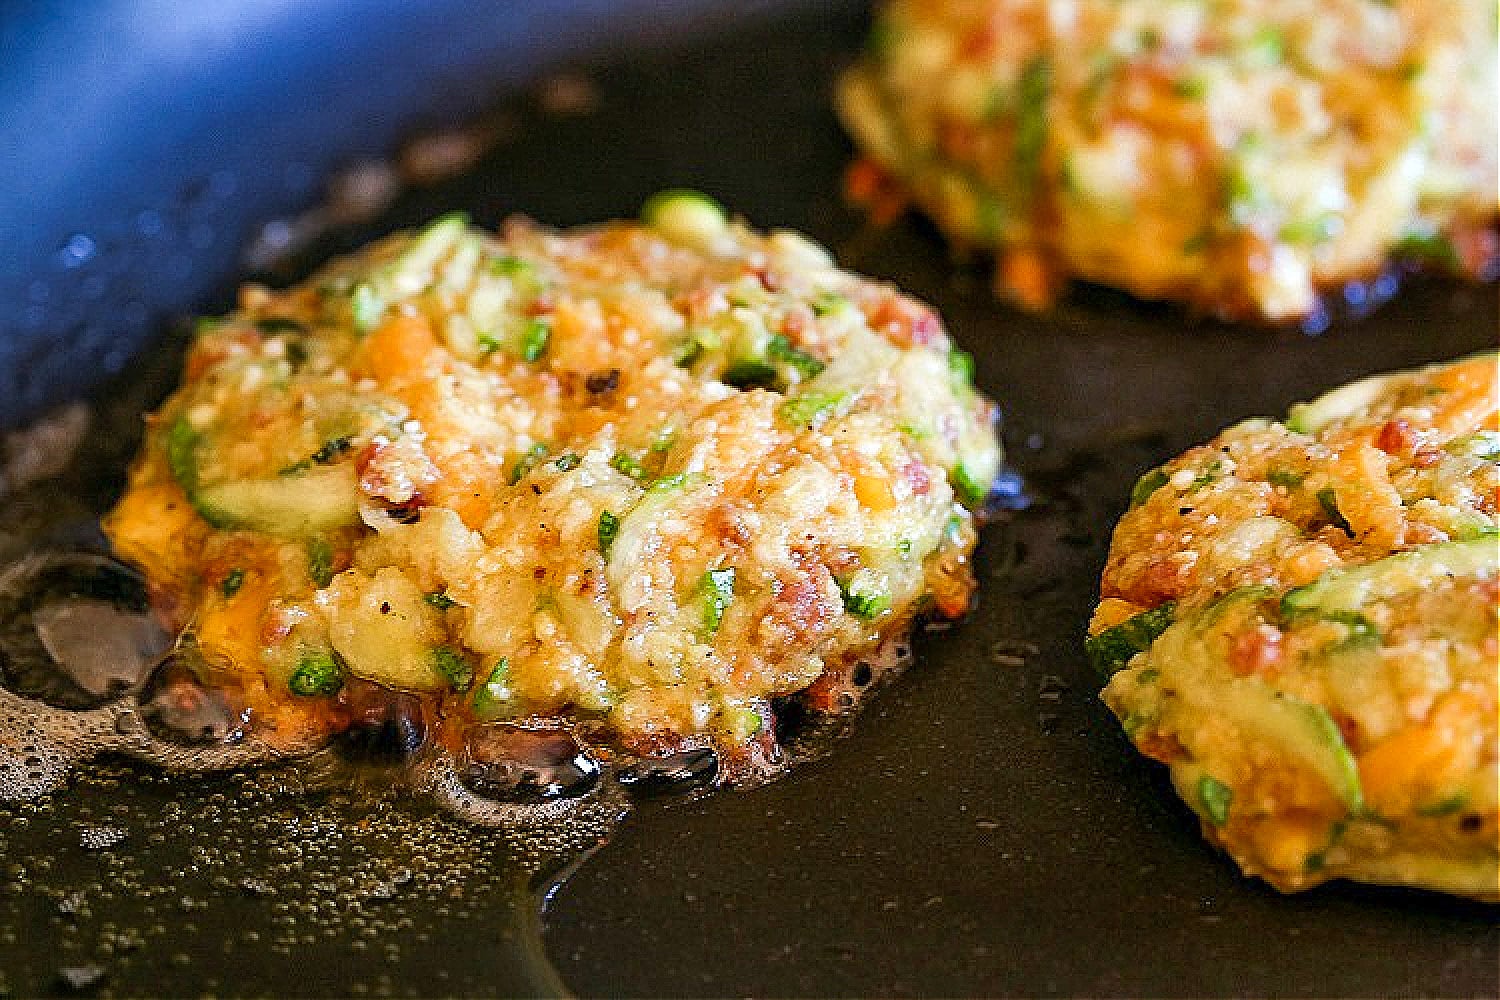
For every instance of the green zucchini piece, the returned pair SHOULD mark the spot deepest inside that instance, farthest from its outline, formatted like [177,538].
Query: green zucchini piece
[1147,485]
[972,488]
[1033,92]
[685,216]
[1351,588]
[293,506]
[1345,401]
[1481,444]
[809,409]
[749,373]
[1429,247]
[1113,648]
[302,503]
[779,348]
[1348,400]
[365,307]
[1303,730]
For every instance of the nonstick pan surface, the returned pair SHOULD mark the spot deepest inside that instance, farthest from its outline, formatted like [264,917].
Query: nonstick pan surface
[983,828]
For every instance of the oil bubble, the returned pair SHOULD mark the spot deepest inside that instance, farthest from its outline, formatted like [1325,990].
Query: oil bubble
[514,763]
[76,630]
[190,701]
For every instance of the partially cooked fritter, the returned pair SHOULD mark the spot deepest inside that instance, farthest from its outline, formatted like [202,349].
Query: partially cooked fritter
[1238,155]
[644,475]
[1300,620]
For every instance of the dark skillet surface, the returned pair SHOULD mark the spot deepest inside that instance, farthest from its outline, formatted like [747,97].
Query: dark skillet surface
[983,829]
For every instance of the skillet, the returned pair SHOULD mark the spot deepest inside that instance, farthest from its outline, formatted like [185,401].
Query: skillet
[982,828]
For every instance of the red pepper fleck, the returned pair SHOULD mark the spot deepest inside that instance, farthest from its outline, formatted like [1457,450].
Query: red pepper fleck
[915,473]
[1395,437]
[1426,457]
[1257,650]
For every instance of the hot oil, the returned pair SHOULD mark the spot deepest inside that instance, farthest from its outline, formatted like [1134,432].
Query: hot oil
[133,878]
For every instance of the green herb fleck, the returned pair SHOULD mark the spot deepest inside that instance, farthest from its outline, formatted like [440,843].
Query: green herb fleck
[1278,475]
[1313,230]
[1209,475]
[1268,45]
[566,462]
[510,266]
[439,599]
[716,591]
[534,339]
[1329,501]
[491,696]
[1191,87]
[863,597]
[528,461]
[744,722]
[317,676]
[232,582]
[454,668]
[1215,797]
[627,466]
[320,561]
[609,527]
[1197,243]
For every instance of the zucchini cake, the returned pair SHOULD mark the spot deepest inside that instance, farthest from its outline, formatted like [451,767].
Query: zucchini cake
[642,478]
[1239,156]
[1299,619]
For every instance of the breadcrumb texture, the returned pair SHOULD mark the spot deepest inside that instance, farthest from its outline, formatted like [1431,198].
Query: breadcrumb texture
[1239,155]
[645,476]
[1320,674]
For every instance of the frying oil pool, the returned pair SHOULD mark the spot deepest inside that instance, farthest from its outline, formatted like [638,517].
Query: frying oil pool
[261,882]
